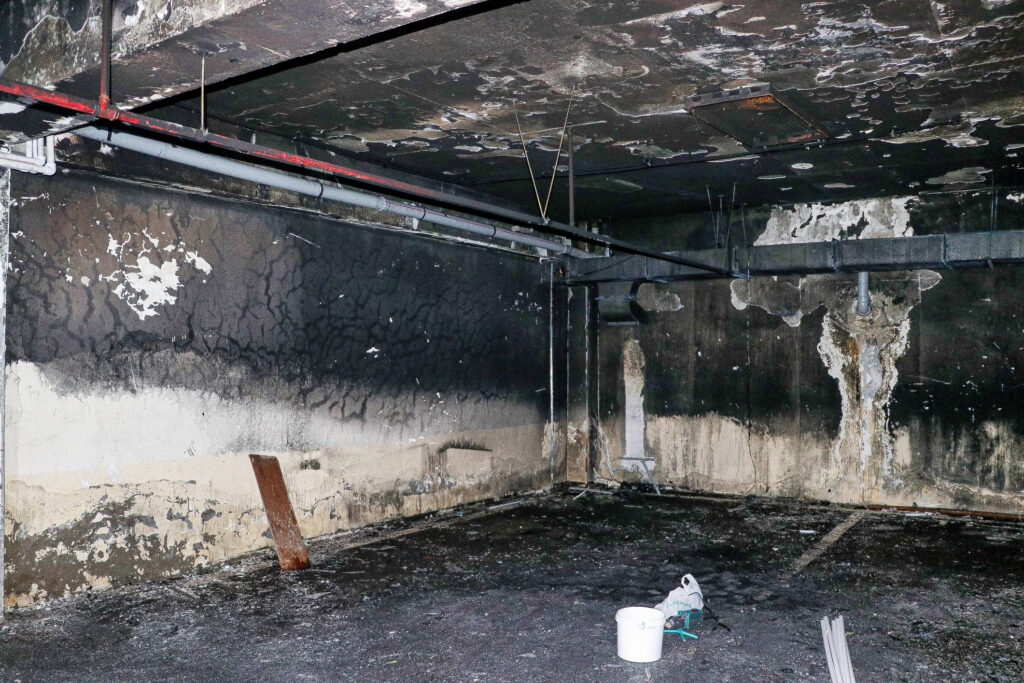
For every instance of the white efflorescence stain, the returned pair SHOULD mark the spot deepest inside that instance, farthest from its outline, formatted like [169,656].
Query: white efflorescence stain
[633,380]
[859,352]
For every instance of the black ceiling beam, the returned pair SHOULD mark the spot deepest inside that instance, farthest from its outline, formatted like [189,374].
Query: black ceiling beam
[939,252]
[263,38]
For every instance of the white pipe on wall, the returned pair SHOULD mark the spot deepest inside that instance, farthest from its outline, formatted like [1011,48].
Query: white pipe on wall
[39,157]
[315,188]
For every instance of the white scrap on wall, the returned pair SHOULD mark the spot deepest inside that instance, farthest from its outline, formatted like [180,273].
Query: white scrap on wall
[141,282]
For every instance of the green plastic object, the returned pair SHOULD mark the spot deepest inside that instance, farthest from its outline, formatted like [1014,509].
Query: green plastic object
[684,634]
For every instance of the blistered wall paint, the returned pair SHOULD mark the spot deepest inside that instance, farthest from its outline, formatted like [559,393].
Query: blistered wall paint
[777,385]
[157,337]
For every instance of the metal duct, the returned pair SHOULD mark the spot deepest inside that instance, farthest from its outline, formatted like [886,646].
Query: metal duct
[982,249]
[617,304]
[863,295]
[315,188]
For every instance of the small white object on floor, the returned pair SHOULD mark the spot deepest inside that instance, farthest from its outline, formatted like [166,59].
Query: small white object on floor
[687,597]
[836,652]
[640,632]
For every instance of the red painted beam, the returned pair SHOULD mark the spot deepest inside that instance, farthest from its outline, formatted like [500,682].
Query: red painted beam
[111,113]
[177,130]
[69,102]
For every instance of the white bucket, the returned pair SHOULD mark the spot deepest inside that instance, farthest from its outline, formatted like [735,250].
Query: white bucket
[640,631]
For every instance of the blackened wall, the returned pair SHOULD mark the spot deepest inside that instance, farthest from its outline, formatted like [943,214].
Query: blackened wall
[777,386]
[156,337]
[962,402]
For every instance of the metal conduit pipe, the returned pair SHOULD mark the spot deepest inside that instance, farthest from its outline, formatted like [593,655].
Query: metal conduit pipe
[863,296]
[23,91]
[315,188]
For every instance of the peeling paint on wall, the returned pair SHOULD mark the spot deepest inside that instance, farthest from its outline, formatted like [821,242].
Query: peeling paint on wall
[154,344]
[867,218]
[141,283]
[860,352]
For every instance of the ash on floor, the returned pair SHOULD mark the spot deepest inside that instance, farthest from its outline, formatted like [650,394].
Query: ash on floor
[529,592]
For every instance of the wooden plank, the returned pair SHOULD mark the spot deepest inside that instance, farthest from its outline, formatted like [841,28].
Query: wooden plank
[291,549]
[824,544]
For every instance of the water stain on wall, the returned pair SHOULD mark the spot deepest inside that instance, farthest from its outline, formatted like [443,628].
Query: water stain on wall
[800,395]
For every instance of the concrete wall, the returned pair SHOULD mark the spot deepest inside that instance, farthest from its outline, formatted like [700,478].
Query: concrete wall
[155,338]
[776,386]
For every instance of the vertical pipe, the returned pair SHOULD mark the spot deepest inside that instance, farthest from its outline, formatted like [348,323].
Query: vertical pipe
[572,185]
[863,296]
[106,17]
[551,364]
[202,96]
[5,231]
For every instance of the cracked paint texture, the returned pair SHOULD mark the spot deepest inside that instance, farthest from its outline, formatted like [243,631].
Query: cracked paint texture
[156,338]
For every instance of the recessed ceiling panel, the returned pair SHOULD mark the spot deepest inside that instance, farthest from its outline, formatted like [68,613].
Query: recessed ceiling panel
[756,117]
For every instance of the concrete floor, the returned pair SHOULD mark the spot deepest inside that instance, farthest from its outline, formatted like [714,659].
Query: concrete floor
[529,592]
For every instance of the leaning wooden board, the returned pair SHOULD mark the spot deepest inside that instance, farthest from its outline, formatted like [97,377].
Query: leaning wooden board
[291,549]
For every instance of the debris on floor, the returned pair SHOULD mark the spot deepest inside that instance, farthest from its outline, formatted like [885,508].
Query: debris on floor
[542,580]
[836,652]
[683,599]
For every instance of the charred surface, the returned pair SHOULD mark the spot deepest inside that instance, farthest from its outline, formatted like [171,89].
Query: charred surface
[544,580]
[778,384]
[157,337]
[913,98]
[113,283]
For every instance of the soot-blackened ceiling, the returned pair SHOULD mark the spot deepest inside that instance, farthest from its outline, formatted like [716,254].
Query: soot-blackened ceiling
[915,95]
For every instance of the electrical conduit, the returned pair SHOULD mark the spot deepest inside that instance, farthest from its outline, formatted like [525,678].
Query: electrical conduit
[315,188]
